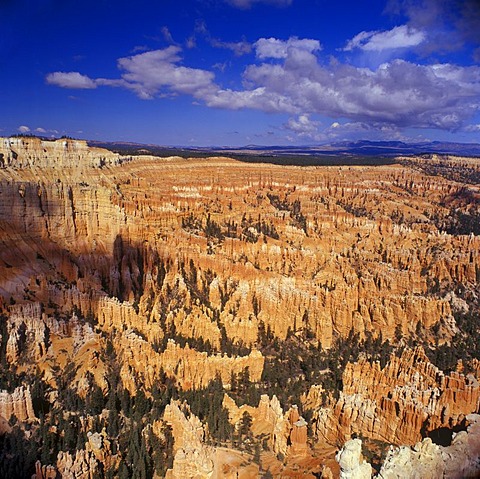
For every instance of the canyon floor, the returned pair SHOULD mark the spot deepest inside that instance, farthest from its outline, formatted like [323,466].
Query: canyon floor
[212,318]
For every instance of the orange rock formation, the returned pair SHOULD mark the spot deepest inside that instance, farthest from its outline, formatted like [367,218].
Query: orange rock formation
[399,403]
[18,403]
[178,264]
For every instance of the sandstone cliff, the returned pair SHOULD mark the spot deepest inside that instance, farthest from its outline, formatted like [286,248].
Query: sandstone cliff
[124,277]
[18,404]
[192,369]
[194,459]
[286,432]
[32,152]
[399,403]
[425,459]
[351,464]
[428,460]
[115,228]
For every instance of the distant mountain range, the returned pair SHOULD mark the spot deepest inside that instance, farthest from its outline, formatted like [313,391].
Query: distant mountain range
[364,148]
[369,148]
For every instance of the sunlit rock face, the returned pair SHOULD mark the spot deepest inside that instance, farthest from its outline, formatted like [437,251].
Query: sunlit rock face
[291,240]
[399,403]
[123,274]
[429,460]
[32,152]
[18,404]
[424,459]
[351,464]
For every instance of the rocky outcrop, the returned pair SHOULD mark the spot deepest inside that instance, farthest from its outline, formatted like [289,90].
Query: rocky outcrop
[18,404]
[430,461]
[352,466]
[44,472]
[191,368]
[399,403]
[268,418]
[426,460]
[298,432]
[286,432]
[193,459]
[28,152]
[81,465]
[27,330]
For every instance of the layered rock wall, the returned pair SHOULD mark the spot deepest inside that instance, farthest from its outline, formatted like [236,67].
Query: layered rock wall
[399,403]
[192,369]
[192,457]
[109,227]
[459,460]
[18,404]
[286,432]
[31,152]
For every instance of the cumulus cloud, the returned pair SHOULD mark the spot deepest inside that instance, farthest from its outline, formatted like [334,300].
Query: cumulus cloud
[246,4]
[151,72]
[449,24]
[402,36]
[26,129]
[275,48]
[399,92]
[472,128]
[147,74]
[367,131]
[70,80]
[303,126]
[289,77]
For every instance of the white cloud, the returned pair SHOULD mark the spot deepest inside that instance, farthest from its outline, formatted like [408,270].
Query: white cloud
[139,48]
[367,131]
[245,4]
[399,92]
[149,73]
[23,129]
[289,78]
[403,36]
[303,126]
[450,24]
[40,130]
[238,48]
[274,48]
[472,128]
[71,80]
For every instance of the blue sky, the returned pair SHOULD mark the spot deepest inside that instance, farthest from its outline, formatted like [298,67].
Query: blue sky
[238,72]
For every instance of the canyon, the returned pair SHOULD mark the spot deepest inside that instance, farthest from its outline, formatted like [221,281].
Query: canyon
[207,317]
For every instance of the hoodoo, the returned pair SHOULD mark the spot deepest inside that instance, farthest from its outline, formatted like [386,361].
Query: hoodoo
[186,317]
